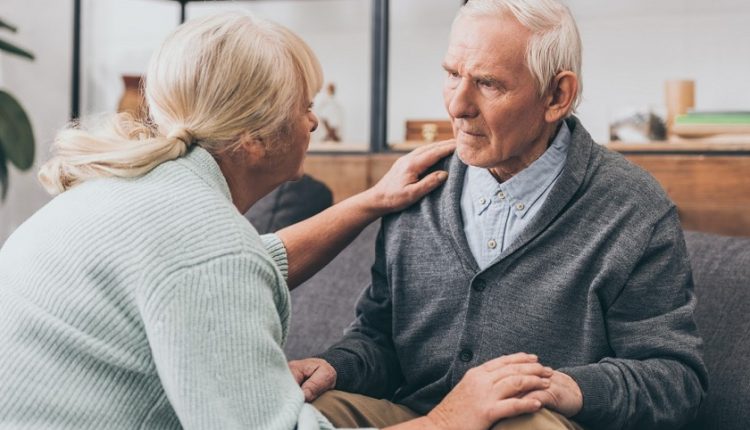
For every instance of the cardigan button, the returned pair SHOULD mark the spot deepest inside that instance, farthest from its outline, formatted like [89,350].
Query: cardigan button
[479,285]
[465,355]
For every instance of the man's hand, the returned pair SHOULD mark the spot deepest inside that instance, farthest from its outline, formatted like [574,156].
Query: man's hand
[314,375]
[563,395]
[492,391]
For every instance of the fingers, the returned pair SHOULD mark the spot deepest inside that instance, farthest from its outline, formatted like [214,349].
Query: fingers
[318,383]
[543,396]
[297,373]
[519,357]
[315,376]
[310,394]
[535,369]
[431,146]
[564,395]
[428,183]
[423,158]
[512,407]
[518,385]
[298,377]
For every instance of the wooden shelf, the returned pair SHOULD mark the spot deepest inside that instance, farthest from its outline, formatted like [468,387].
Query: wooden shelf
[338,147]
[725,144]
[406,146]
[708,180]
[739,144]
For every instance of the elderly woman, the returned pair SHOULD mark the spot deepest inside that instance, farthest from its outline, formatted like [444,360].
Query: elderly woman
[141,298]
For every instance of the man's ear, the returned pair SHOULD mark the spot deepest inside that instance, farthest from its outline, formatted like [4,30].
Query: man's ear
[562,93]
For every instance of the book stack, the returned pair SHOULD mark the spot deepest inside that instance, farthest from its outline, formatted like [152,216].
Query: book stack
[706,124]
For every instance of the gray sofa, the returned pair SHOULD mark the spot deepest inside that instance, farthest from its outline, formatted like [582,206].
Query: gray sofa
[323,307]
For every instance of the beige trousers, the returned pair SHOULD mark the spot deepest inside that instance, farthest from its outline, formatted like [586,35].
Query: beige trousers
[355,410]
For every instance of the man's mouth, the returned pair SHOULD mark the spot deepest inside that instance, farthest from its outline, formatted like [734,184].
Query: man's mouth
[474,133]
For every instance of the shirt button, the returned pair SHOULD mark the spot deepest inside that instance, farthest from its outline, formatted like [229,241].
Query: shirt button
[482,201]
[465,355]
[500,195]
[491,244]
[479,285]
[520,206]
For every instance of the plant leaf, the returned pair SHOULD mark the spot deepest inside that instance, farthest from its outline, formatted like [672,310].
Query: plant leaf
[16,135]
[3,176]
[9,26]
[13,49]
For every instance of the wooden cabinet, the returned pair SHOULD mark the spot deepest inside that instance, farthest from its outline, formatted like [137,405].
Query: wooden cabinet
[348,174]
[709,182]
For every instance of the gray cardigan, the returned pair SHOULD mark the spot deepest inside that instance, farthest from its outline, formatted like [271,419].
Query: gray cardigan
[598,285]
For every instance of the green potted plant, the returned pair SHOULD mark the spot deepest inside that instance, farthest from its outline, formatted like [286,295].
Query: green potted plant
[16,135]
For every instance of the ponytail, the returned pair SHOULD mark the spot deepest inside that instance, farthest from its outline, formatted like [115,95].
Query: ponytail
[213,80]
[118,146]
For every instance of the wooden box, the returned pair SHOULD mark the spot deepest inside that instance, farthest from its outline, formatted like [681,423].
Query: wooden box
[428,130]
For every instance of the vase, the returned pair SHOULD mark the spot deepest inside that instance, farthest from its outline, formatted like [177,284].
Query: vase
[132,99]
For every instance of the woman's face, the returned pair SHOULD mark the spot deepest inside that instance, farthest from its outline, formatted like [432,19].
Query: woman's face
[303,123]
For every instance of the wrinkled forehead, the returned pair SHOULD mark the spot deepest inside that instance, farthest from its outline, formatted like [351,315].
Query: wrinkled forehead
[487,42]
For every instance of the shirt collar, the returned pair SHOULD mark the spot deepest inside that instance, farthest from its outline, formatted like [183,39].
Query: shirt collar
[524,189]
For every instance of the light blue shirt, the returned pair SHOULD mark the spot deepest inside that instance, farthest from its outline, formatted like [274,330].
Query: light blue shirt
[494,213]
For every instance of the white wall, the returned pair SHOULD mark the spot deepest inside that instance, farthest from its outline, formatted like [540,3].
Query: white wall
[630,48]
[42,87]
[117,39]
[122,34]
[418,38]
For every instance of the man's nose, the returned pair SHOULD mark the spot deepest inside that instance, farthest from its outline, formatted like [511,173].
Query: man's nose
[462,101]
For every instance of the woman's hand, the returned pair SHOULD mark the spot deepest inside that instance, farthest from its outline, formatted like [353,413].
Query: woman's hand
[403,185]
[312,243]
[491,392]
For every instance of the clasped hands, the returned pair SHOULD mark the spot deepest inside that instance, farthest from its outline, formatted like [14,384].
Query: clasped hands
[500,388]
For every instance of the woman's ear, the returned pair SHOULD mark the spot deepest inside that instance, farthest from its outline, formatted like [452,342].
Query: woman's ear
[253,149]
[562,93]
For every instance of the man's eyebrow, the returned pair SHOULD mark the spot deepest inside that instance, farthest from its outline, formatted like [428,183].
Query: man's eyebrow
[487,78]
[484,77]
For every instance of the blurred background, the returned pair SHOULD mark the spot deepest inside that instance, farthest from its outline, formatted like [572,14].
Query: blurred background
[631,49]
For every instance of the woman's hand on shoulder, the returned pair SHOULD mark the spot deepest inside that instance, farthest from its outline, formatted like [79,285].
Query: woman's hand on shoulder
[404,184]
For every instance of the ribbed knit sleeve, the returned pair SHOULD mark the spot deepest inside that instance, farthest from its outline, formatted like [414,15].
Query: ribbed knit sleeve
[215,334]
[147,302]
[276,249]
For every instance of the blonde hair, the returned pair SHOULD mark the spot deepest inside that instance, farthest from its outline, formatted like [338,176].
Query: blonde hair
[213,80]
[555,45]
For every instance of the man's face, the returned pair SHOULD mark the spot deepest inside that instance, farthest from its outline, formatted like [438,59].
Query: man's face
[497,114]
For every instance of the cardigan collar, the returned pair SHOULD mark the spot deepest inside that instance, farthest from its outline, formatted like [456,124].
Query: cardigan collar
[577,164]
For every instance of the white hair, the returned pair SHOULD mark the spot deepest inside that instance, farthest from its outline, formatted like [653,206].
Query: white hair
[555,44]
[212,81]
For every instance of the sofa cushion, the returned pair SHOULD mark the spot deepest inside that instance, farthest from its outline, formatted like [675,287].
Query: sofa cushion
[721,271]
[289,203]
[323,306]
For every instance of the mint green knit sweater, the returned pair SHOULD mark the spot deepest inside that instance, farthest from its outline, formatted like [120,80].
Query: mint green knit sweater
[146,303]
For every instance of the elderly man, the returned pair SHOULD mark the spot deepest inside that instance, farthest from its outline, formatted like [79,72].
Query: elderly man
[541,241]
